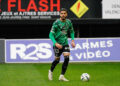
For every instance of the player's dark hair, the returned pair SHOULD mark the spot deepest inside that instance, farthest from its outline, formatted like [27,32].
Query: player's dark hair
[63,9]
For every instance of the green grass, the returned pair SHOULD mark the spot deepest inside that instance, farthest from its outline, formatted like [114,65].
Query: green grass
[102,74]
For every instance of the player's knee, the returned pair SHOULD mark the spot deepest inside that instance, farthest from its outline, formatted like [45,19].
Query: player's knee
[66,54]
[57,58]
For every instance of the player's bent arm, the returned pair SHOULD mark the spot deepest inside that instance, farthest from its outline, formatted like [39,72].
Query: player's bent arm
[51,36]
[72,38]
[72,35]
[71,31]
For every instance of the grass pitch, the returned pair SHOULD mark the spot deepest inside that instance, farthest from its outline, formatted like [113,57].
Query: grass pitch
[101,74]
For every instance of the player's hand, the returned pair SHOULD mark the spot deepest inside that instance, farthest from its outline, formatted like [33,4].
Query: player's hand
[73,43]
[58,46]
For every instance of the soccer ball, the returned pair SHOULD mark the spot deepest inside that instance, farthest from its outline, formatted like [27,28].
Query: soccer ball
[85,77]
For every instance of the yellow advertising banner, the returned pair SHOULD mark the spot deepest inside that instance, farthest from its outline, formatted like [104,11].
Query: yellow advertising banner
[79,8]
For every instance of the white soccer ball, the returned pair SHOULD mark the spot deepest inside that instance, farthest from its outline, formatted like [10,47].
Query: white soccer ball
[85,77]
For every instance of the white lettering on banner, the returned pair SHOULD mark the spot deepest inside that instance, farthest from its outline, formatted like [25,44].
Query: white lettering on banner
[100,44]
[17,49]
[43,47]
[98,54]
[91,45]
[106,53]
[71,58]
[30,51]
[85,45]
[94,45]
[30,55]
[90,55]
[109,43]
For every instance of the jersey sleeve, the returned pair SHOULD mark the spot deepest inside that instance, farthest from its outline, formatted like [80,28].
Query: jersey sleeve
[52,32]
[71,31]
[54,27]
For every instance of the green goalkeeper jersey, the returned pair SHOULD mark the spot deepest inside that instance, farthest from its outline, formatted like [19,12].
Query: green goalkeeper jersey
[59,32]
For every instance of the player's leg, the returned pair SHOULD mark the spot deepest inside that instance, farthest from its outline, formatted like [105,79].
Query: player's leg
[66,54]
[57,53]
[55,62]
[65,63]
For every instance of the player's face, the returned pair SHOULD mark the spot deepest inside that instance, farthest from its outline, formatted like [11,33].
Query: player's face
[63,15]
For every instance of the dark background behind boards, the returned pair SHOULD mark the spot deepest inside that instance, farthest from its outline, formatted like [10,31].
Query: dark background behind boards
[34,31]
[88,27]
